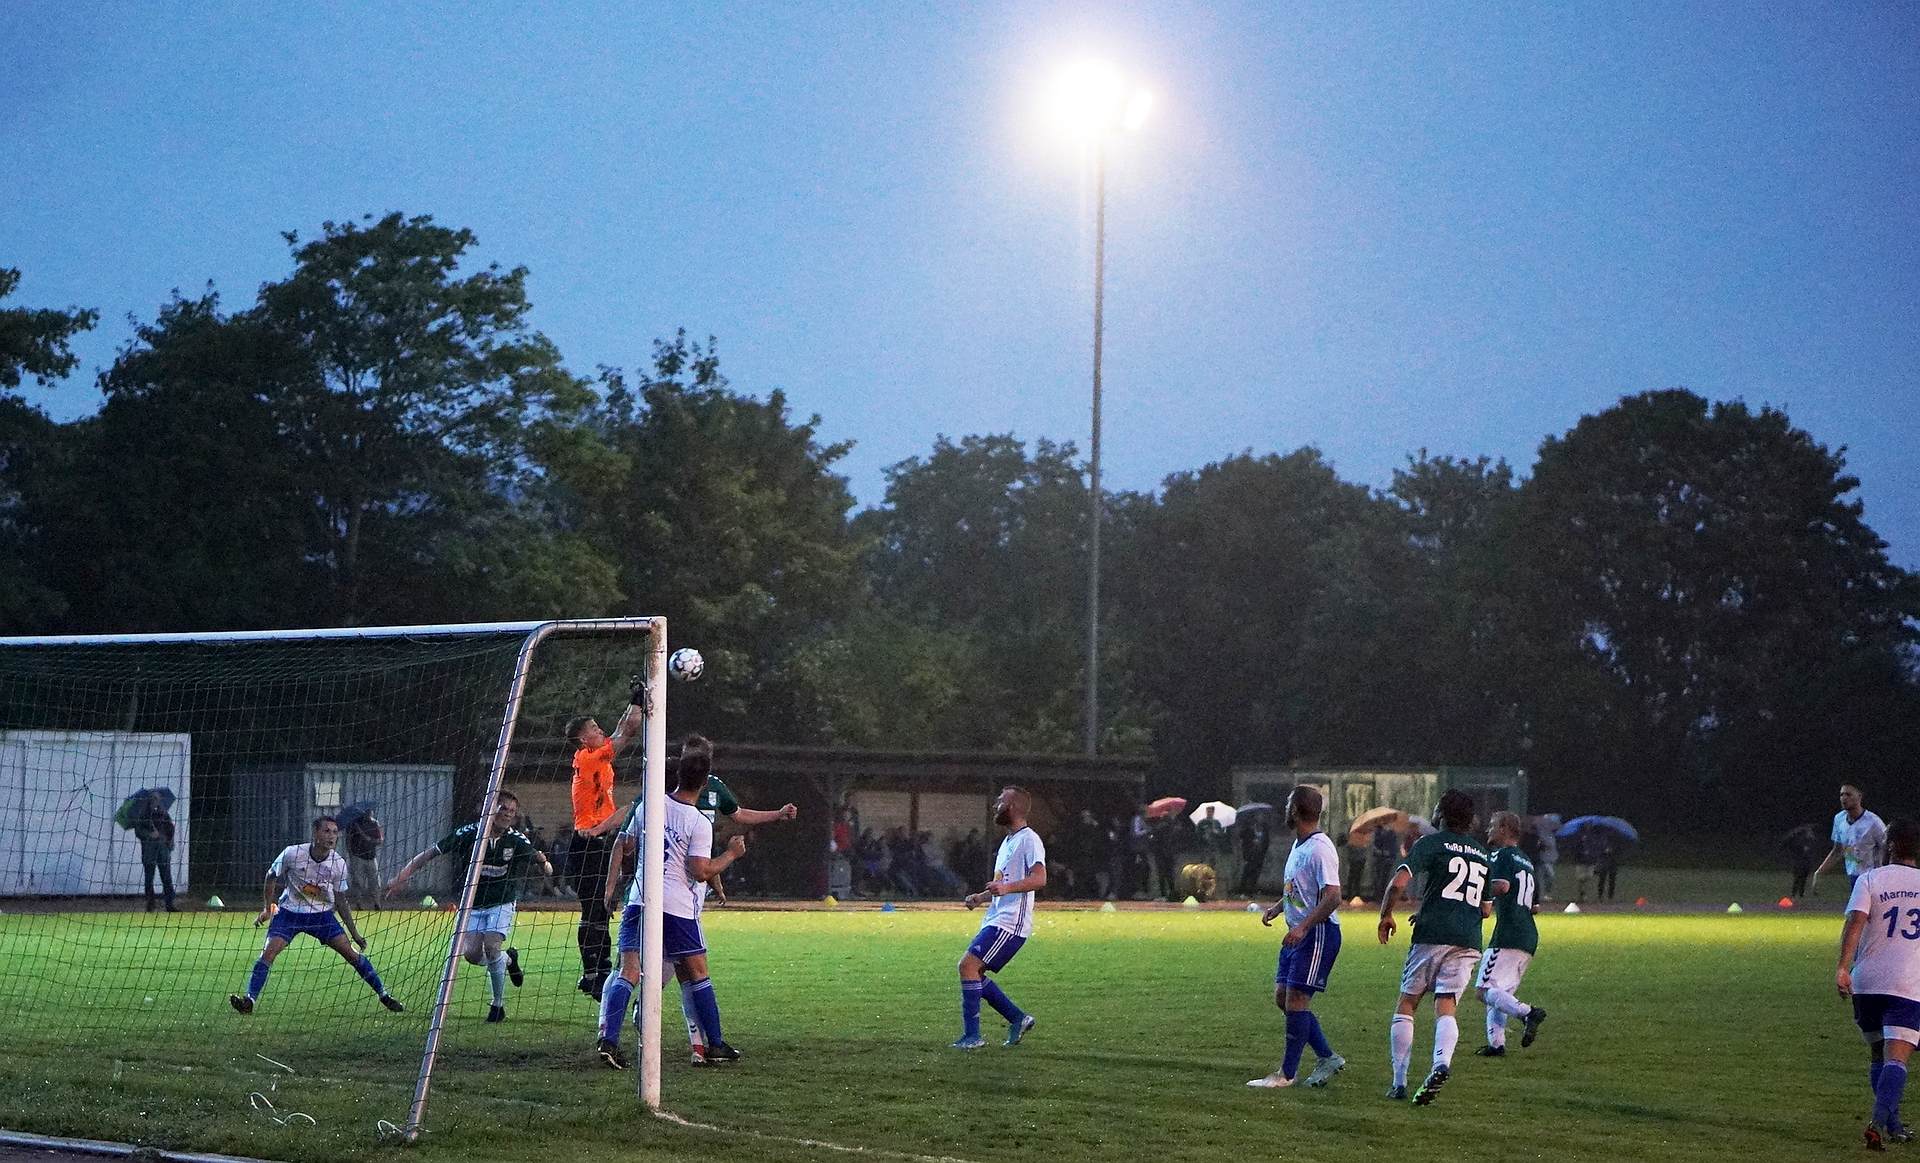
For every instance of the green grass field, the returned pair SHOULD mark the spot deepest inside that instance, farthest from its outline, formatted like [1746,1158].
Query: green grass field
[1672,1037]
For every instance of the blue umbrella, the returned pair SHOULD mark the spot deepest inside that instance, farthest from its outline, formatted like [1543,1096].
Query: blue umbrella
[1256,806]
[1610,823]
[353,811]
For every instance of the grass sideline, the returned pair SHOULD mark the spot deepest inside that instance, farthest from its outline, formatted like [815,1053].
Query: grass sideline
[1672,1037]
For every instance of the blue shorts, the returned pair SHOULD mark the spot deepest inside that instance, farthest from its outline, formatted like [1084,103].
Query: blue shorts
[1885,1015]
[287,924]
[995,947]
[679,936]
[1305,966]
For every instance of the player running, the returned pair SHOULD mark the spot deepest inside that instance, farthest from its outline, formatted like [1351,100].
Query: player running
[1880,970]
[1446,938]
[689,839]
[315,880]
[1019,871]
[503,866]
[1312,907]
[1515,938]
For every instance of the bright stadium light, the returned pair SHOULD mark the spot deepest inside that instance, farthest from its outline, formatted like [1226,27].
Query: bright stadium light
[1094,102]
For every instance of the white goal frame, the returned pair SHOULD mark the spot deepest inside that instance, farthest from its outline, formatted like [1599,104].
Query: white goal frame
[653,799]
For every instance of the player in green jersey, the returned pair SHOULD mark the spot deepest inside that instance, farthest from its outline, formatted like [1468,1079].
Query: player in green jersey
[1452,867]
[503,868]
[1512,903]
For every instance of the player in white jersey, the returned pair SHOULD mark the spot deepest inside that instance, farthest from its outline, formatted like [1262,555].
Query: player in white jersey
[1859,836]
[1311,905]
[689,841]
[1880,970]
[305,884]
[1019,871]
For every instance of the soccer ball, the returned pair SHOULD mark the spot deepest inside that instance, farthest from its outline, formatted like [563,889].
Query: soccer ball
[686,664]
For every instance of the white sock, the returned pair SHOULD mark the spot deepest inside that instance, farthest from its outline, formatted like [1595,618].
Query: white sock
[1506,1003]
[1446,1035]
[1400,1039]
[695,1038]
[497,978]
[1496,1028]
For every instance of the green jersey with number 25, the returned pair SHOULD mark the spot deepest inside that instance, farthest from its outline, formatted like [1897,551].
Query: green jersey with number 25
[1452,872]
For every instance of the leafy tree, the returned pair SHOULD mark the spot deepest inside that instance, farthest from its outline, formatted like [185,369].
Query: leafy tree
[723,513]
[34,342]
[1215,591]
[1707,564]
[983,538]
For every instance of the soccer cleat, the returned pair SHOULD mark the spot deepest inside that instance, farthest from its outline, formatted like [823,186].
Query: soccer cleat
[974,1043]
[1273,1081]
[1536,1017]
[241,1002]
[514,973]
[1397,1092]
[1431,1087]
[1018,1030]
[392,1003]
[609,1051]
[496,1013]
[1898,1133]
[1491,1052]
[1325,1069]
[721,1054]
[1876,1137]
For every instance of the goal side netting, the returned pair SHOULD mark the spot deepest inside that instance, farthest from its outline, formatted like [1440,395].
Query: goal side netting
[150,783]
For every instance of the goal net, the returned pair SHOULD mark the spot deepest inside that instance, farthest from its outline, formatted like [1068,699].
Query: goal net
[150,783]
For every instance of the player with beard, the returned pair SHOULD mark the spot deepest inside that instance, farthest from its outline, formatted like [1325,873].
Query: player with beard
[1019,871]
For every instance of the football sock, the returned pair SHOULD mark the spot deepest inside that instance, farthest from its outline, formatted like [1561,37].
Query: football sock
[1496,1028]
[694,1036]
[1506,1003]
[613,1005]
[367,974]
[1001,1003]
[1887,1093]
[970,1007]
[258,981]
[707,1010]
[497,978]
[1296,1042]
[1446,1035]
[1315,1038]
[1400,1038]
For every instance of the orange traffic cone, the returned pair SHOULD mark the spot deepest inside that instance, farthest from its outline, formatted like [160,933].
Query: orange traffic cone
[1786,902]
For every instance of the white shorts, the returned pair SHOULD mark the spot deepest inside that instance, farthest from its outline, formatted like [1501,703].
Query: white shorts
[1438,969]
[1502,969]
[498,919]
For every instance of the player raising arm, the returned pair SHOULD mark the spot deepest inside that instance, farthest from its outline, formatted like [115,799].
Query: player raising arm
[314,877]
[1880,970]
[689,843]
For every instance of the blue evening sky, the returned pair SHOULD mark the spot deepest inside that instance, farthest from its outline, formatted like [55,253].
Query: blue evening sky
[1370,227]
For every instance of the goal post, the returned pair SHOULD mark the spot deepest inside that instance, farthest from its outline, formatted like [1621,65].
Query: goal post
[212,754]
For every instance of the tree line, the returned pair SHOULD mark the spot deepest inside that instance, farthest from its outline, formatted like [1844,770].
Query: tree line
[1679,609]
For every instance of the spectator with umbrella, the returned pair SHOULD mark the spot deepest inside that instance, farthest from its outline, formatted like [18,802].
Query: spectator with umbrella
[1381,830]
[1597,844]
[1256,835]
[145,813]
[1160,815]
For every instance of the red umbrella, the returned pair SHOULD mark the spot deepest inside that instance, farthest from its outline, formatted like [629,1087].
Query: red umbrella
[1166,806]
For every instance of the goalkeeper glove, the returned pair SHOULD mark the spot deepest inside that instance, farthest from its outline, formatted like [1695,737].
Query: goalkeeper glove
[638,694]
